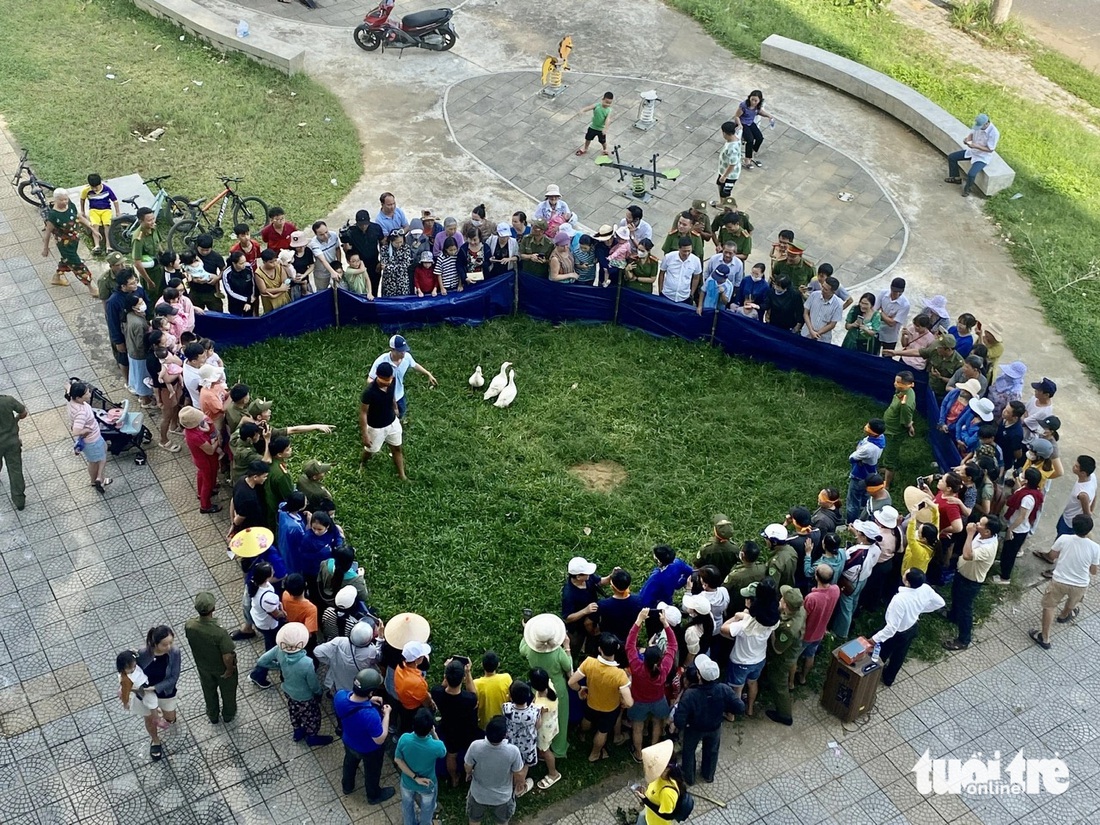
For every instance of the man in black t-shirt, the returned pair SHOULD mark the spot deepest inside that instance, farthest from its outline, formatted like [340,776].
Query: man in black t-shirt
[378,419]
[364,238]
[208,295]
[248,498]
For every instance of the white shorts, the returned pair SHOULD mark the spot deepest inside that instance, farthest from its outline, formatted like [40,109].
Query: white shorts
[149,703]
[390,435]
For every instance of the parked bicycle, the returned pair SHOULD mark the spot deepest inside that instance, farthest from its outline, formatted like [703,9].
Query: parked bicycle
[32,189]
[169,208]
[248,210]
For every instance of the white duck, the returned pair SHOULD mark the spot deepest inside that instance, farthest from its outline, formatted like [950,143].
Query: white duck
[477,380]
[508,394]
[499,382]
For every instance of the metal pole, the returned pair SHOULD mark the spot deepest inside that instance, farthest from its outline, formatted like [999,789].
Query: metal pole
[654,173]
[618,295]
[515,294]
[618,162]
[714,326]
[335,304]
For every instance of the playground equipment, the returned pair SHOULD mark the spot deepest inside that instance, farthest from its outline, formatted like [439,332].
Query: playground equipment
[554,67]
[647,111]
[637,190]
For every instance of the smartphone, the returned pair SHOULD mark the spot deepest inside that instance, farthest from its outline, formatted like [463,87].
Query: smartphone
[464,659]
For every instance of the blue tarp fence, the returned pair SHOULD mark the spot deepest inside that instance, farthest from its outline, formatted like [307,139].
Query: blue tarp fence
[539,298]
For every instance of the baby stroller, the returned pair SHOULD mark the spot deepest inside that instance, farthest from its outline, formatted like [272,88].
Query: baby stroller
[122,430]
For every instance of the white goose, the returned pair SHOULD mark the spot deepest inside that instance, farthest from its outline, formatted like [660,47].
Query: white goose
[499,382]
[508,394]
[477,380]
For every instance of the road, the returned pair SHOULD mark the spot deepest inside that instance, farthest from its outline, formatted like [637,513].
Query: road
[1070,26]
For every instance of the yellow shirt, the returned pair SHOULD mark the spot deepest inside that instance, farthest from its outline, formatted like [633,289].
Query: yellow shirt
[917,553]
[603,682]
[492,693]
[664,794]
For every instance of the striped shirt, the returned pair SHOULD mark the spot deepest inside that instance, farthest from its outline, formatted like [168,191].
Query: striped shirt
[82,418]
[446,269]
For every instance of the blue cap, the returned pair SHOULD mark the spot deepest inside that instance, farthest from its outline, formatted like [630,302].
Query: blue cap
[721,272]
[398,343]
[980,121]
[1046,385]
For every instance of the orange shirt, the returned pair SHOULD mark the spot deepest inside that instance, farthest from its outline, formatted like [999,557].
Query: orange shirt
[410,686]
[212,402]
[300,610]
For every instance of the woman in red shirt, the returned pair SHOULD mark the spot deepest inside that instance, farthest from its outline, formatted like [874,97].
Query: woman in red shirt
[952,513]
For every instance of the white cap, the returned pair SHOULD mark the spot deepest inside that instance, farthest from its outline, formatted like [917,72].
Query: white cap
[707,667]
[672,613]
[579,566]
[414,650]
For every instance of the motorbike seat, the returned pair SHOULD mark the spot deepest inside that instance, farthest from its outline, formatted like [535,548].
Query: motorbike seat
[426,19]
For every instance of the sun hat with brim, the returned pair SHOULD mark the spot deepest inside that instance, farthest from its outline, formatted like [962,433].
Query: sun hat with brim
[191,417]
[292,637]
[1014,369]
[867,528]
[604,232]
[552,191]
[562,239]
[972,386]
[915,497]
[544,632]
[251,542]
[993,331]
[407,627]
[938,304]
[580,566]
[299,239]
[887,516]
[982,407]
[622,233]
[655,759]
[209,375]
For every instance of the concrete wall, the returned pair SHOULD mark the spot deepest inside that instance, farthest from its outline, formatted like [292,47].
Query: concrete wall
[222,34]
[934,123]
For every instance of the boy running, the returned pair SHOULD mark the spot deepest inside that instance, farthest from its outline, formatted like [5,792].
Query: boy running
[601,117]
[99,205]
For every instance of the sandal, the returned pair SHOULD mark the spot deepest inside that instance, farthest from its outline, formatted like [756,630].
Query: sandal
[1073,614]
[527,786]
[1043,556]
[579,152]
[603,755]
[170,447]
[1037,637]
[156,752]
[952,180]
[547,782]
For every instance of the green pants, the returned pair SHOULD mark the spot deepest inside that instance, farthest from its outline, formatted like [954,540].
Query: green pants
[775,683]
[12,454]
[211,683]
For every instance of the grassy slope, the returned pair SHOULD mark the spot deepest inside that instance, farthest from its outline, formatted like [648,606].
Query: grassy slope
[1055,226]
[243,120]
[492,515]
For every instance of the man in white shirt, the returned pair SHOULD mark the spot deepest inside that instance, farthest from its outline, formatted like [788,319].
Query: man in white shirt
[194,356]
[401,359]
[1076,561]
[641,229]
[1083,495]
[894,308]
[913,598]
[328,267]
[824,310]
[980,144]
[977,557]
[678,277]
[727,256]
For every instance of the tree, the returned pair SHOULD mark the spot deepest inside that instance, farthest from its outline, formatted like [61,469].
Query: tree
[998,14]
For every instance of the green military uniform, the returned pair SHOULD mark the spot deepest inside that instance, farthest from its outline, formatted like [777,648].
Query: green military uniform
[742,576]
[945,365]
[11,448]
[244,453]
[147,247]
[721,554]
[234,415]
[699,215]
[782,565]
[529,246]
[314,491]
[672,244]
[277,488]
[209,643]
[730,209]
[899,418]
[784,648]
[742,241]
[800,273]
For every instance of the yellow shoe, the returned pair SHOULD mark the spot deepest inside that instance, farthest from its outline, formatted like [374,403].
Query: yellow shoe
[59,280]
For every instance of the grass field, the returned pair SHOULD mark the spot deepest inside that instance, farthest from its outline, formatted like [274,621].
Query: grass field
[287,137]
[492,514]
[1055,226]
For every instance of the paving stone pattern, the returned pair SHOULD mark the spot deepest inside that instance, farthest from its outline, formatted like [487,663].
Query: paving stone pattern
[84,576]
[528,138]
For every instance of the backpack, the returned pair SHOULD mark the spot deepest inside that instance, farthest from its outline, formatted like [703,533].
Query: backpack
[685,804]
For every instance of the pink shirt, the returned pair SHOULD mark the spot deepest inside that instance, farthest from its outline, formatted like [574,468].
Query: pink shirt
[81,418]
[819,604]
[643,687]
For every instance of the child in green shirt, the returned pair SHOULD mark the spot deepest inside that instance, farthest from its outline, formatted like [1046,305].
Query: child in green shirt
[597,128]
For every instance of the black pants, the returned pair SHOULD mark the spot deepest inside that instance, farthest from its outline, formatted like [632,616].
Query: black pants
[711,741]
[963,593]
[1009,551]
[372,771]
[894,650]
[752,137]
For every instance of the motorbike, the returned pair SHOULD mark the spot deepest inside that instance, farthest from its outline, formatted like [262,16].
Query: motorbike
[432,30]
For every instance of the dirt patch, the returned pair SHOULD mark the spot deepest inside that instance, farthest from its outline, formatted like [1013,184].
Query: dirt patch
[599,476]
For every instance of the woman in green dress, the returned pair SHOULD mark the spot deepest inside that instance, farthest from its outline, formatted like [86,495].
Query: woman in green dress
[641,273]
[543,636]
[61,222]
[862,323]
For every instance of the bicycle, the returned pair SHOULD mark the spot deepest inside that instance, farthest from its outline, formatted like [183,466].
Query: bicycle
[169,208]
[33,190]
[248,210]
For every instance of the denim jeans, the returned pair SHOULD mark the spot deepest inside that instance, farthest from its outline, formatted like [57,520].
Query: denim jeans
[856,499]
[711,740]
[953,167]
[845,609]
[963,593]
[425,798]
[372,771]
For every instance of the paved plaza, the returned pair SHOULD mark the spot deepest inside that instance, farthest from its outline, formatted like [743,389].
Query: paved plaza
[83,576]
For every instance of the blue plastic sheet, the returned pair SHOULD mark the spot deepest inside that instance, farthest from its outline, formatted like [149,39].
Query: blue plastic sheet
[539,298]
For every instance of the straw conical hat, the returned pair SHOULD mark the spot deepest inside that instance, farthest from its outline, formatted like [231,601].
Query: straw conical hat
[251,542]
[655,759]
[407,627]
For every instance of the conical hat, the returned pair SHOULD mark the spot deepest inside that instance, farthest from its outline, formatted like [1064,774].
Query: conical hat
[407,627]
[251,542]
[914,497]
[655,759]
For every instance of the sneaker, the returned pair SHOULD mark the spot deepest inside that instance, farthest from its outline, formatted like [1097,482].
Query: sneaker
[1000,581]
[240,635]
[213,508]
[955,644]
[262,685]
[387,793]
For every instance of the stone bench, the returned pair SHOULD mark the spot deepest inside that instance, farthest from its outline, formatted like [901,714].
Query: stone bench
[222,34]
[935,124]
